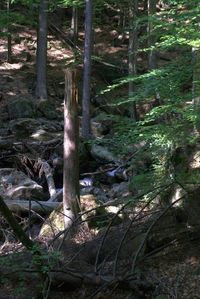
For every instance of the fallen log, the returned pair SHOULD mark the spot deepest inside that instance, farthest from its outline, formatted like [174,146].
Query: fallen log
[71,279]
[36,206]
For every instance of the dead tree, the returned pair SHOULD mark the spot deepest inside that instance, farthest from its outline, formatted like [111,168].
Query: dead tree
[71,159]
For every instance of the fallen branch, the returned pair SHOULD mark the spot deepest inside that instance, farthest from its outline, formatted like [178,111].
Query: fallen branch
[58,196]
[135,258]
[114,217]
[74,279]
[18,231]
[48,172]
[36,206]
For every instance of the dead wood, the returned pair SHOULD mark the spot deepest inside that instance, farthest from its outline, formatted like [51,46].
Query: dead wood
[36,206]
[18,231]
[48,172]
[72,279]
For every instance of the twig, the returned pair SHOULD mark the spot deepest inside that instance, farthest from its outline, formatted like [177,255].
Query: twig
[148,231]
[112,167]
[114,217]
[127,230]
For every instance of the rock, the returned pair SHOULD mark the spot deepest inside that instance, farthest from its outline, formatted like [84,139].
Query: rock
[86,190]
[100,128]
[21,108]
[96,216]
[15,184]
[47,109]
[98,192]
[119,190]
[38,129]
[86,182]
[55,224]
[102,154]
[23,127]
[44,135]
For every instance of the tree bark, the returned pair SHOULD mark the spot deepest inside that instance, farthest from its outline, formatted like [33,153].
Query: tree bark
[152,61]
[132,53]
[196,87]
[41,55]
[74,25]
[9,38]
[71,159]
[87,71]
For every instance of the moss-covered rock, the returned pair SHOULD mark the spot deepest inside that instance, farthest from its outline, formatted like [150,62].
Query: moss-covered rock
[48,109]
[93,213]
[21,108]
[55,224]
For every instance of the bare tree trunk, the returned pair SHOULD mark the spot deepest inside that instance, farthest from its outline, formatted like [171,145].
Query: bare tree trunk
[122,16]
[152,55]
[71,161]
[9,38]
[87,70]
[41,84]
[151,36]
[132,52]
[196,87]
[74,25]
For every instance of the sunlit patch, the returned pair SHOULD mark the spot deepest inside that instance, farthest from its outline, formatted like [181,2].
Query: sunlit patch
[11,93]
[9,66]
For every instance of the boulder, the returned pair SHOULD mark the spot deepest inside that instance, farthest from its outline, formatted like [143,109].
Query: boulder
[23,127]
[21,108]
[38,129]
[119,190]
[54,224]
[15,184]
[95,214]
[100,128]
[47,108]
[101,153]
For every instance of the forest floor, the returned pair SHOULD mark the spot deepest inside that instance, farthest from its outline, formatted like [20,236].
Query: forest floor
[175,270]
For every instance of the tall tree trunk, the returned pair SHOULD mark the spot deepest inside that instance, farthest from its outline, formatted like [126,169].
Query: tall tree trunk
[41,59]
[87,70]
[152,55]
[71,161]
[196,87]
[74,25]
[122,16]
[9,38]
[132,52]
[152,61]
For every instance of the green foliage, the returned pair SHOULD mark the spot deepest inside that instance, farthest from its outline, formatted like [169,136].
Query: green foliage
[8,20]
[38,261]
[170,123]
[44,261]
[67,3]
